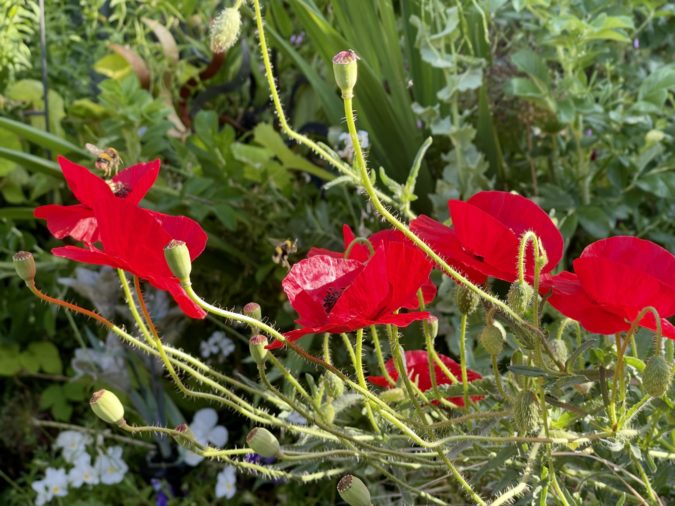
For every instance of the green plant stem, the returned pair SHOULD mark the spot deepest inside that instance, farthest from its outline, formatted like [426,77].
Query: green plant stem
[380,356]
[348,346]
[508,496]
[358,369]
[402,369]
[645,479]
[462,360]
[498,378]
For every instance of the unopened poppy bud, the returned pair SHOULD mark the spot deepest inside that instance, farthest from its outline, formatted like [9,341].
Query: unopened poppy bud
[184,431]
[224,31]
[177,258]
[492,339]
[24,263]
[345,69]
[466,300]
[393,395]
[525,412]
[327,412]
[334,385]
[353,491]
[257,347]
[252,310]
[656,376]
[263,442]
[520,297]
[107,406]
[432,325]
[559,350]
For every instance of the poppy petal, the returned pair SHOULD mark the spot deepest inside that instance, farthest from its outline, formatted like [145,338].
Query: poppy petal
[76,221]
[183,229]
[84,185]
[138,179]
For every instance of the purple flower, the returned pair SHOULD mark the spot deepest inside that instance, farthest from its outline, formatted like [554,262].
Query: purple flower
[254,458]
[162,499]
[636,43]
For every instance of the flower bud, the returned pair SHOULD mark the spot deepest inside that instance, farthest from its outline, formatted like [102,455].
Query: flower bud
[177,258]
[334,385]
[257,347]
[107,406]
[345,69]
[184,432]
[393,395]
[327,412]
[559,349]
[263,442]
[353,491]
[526,412]
[656,376]
[492,339]
[466,300]
[224,31]
[252,310]
[432,324]
[520,297]
[24,263]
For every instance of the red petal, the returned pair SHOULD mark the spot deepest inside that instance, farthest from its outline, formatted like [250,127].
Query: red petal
[408,270]
[75,221]
[87,256]
[138,179]
[84,185]
[183,229]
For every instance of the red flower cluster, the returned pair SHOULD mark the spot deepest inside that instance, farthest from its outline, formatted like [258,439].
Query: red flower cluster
[132,238]
[417,367]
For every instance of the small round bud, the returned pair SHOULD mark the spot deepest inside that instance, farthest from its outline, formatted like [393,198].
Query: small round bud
[24,263]
[177,258]
[107,406]
[656,376]
[263,442]
[353,491]
[520,297]
[345,68]
[224,31]
[432,324]
[559,349]
[327,412]
[334,385]
[393,395]
[526,412]
[257,346]
[252,310]
[466,300]
[492,339]
[184,431]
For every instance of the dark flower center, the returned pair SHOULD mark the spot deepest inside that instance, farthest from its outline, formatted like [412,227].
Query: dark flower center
[331,298]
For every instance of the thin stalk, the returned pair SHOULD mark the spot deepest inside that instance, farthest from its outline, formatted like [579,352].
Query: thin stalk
[358,368]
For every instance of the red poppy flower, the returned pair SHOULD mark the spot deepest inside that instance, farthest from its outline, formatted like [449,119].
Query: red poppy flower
[613,280]
[417,366]
[77,221]
[486,232]
[335,294]
[361,253]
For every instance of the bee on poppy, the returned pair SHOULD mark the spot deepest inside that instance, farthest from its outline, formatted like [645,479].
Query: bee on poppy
[282,250]
[108,160]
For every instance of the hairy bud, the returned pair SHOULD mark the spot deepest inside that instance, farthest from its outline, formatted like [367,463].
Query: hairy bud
[224,31]
[559,349]
[257,346]
[466,300]
[656,376]
[263,442]
[492,339]
[526,412]
[334,385]
[520,297]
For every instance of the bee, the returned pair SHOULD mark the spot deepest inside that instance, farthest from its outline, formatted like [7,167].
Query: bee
[107,160]
[282,250]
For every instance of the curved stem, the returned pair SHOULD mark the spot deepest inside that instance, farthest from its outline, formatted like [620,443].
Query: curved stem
[462,360]
[358,368]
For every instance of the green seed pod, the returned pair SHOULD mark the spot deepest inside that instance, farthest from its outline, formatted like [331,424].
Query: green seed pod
[178,259]
[224,31]
[353,491]
[107,406]
[393,395]
[327,412]
[466,300]
[257,346]
[24,263]
[345,68]
[559,349]
[656,376]
[520,297]
[263,442]
[334,385]
[526,412]
[492,339]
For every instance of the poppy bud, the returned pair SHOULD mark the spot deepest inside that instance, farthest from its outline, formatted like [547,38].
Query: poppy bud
[345,69]
[185,433]
[353,491]
[334,385]
[492,339]
[393,395]
[107,406]
[525,412]
[656,376]
[559,350]
[432,325]
[525,335]
[178,259]
[24,263]
[263,442]
[466,300]
[520,297]
[224,31]
[257,346]
[327,412]
[252,310]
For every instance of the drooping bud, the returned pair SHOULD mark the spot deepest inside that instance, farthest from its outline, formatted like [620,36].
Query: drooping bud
[334,385]
[353,491]
[492,338]
[559,350]
[520,297]
[177,258]
[656,376]
[263,442]
[526,412]
[257,347]
[393,395]
[107,406]
[466,300]
[345,68]
[24,263]
[327,412]
[224,30]
[432,324]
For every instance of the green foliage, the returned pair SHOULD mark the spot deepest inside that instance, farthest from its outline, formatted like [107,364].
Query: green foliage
[18,22]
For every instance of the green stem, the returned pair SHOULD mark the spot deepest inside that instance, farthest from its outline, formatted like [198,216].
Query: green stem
[462,360]
[358,368]
[379,355]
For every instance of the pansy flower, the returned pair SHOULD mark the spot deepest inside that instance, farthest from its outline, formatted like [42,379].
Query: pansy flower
[417,366]
[485,235]
[613,280]
[335,294]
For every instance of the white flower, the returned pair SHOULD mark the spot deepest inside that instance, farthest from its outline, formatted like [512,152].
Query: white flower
[110,466]
[217,344]
[54,484]
[296,418]
[73,443]
[348,151]
[226,484]
[83,472]
[204,427]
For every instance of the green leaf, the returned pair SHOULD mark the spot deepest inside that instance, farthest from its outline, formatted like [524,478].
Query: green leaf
[29,361]
[50,395]
[75,391]
[655,87]
[37,136]
[523,87]
[113,66]
[9,140]
[533,65]
[31,91]
[47,355]
[594,220]
[661,184]
[31,162]
[9,360]
[526,370]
